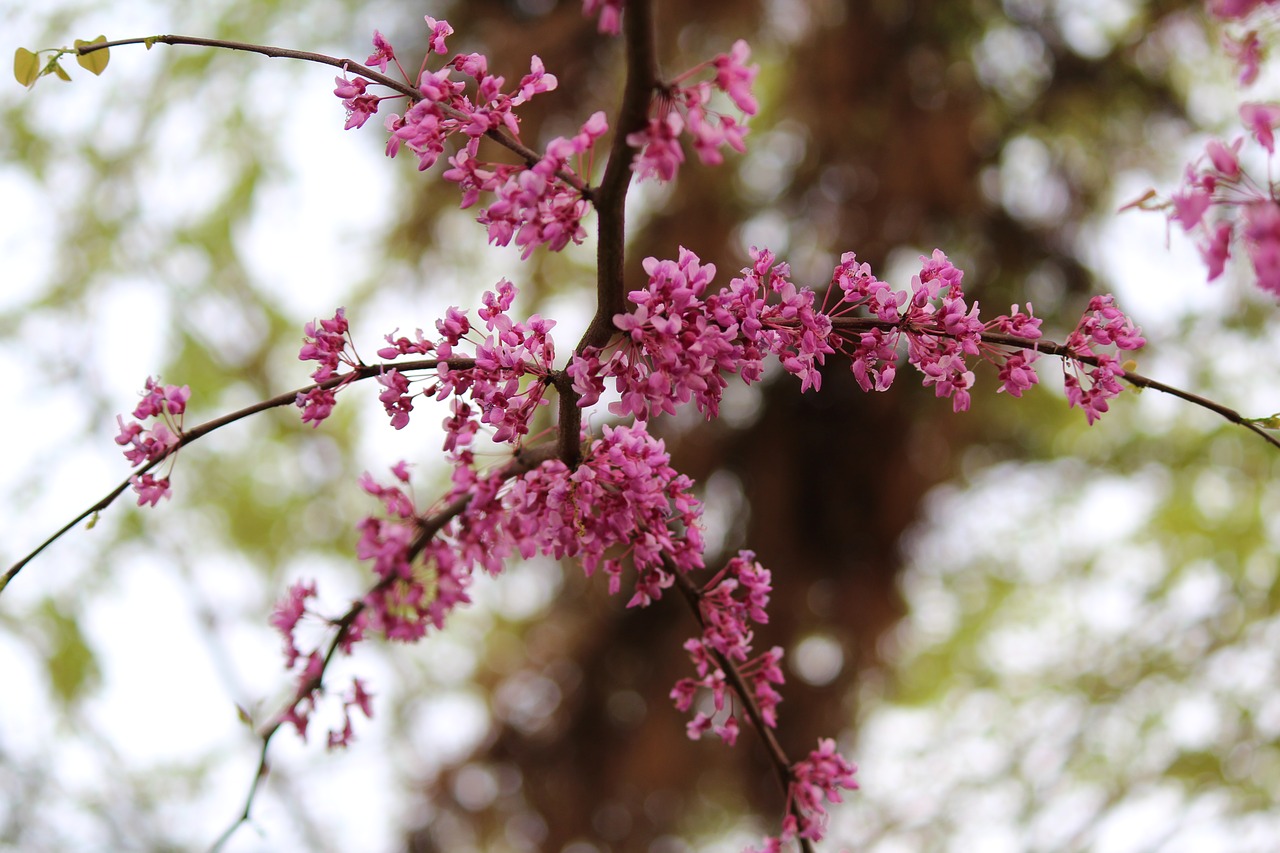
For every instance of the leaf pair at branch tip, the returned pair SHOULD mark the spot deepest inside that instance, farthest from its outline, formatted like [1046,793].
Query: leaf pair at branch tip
[27,69]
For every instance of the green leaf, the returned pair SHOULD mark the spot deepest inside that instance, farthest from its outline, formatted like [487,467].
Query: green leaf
[150,41]
[96,61]
[54,68]
[26,67]
[1272,422]
[72,667]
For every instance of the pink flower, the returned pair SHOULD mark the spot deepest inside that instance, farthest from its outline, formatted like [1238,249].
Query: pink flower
[610,12]
[1262,119]
[660,154]
[149,489]
[1247,52]
[382,53]
[1262,242]
[440,30]
[734,76]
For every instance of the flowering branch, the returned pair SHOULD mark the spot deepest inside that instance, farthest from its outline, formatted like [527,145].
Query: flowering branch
[778,757]
[312,682]
[197,432]
[1137,380]
[528,155]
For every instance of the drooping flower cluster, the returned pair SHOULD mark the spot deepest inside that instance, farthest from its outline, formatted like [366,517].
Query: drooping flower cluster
[144,445]
[1103,325]
[330,344]
[822,775]
[736,597]
[535,204]
[1221,203]
[684,108]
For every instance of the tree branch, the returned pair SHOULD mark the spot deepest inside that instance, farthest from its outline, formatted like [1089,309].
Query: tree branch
[429,526]
[411,92]
[198,432]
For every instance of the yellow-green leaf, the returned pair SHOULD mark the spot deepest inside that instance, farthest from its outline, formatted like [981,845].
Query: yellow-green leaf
[96,61]
[1272,422]
[26,66]
[55,68]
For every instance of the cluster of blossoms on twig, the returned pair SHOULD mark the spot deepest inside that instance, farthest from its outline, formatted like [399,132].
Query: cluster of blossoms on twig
[681,342]
[683,107]
[1222,204]
[538,203]
[166,404]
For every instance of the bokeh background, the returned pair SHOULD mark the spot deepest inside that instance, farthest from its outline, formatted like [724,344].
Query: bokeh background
[1030,634]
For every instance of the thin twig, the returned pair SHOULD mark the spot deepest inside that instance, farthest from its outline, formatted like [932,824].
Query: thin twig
[198,432]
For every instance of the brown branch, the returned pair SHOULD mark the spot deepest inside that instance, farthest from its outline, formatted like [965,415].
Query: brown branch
[200,431]
[611,196]
[610,202]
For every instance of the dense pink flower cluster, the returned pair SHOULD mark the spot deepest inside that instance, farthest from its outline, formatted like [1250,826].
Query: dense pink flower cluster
[496,389]
[678,345]
[143,445]
[679,342]
[534,204]
[1220,201]
[736,597]
[624,503]
[683,108]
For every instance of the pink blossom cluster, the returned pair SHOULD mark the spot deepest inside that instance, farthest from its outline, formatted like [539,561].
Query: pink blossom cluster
[309,669]
[495,389]
[820,776]
[736,597]
[623,504]
[678,342]
[943,331]
[1103,325]
[143,445]
[535,204]
[685,108]
[1245,48]
[1221,202]
[610,12]
[330,344]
